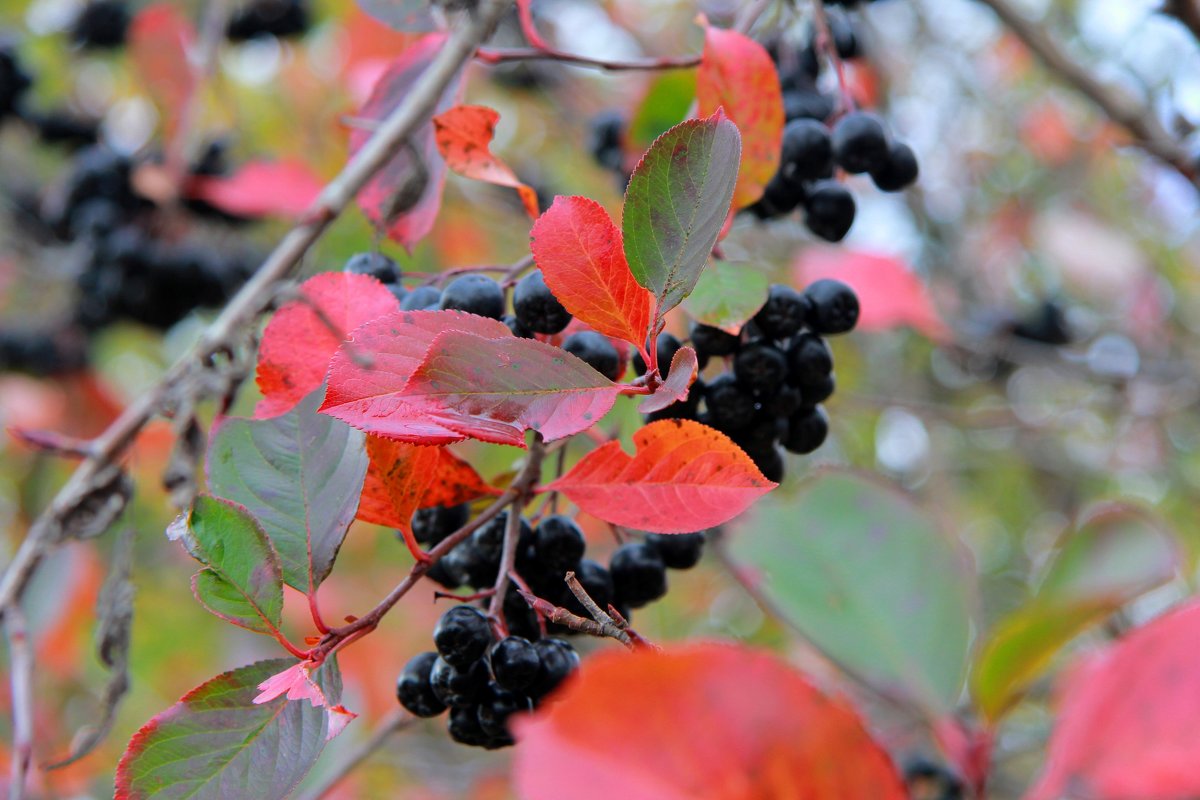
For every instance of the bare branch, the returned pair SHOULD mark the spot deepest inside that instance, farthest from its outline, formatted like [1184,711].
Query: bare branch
[556,614]
[21,680]
[392,724]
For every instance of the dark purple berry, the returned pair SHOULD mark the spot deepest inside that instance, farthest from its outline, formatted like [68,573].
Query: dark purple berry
[809,359]
[422,298]
[638,574]
[785,402]
[514,661]
[833,307]
[101,24]
[559,544]
[730,406]
[829,211]
[596,351]
[279,18]
[807,430]
[414,690]
[712,341]
[464,726]
[783,314]
[474,294]
[818,391]
[860,144]
[760,367]
[807,152]
[458,688]
[431,525]
[494,711]
[536,307]
[518,329]
[807,104]
[376,265]
[462,636]
[899,171]
[558,660]
[678,550]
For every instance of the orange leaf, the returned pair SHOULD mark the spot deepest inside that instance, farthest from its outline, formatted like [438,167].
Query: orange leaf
[715,721]
[464,135]
[736,73]
[684,477]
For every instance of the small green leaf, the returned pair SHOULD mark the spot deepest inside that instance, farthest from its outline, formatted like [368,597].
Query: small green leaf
[665,103]
[676,204]
[866,575]
[241,582]
[727,295]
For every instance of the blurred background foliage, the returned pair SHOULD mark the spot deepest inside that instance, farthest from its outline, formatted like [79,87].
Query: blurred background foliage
[1033,213]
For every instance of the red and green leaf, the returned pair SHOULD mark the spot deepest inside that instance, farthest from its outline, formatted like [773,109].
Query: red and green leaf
[758,729]
[298,342]
[368,374]
[260,189]
[683,368]
[301,473]
[737,74]
[683,477]
[727,295]
[676,204]
[464,136]
[580,253]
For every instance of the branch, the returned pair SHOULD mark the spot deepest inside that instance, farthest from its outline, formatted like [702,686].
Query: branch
[512,535]
[21,660]
[1122,108]
[397,721]
[553,613]
[256,295]
[498,56]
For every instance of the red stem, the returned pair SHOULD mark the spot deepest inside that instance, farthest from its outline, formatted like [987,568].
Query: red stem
[315,611]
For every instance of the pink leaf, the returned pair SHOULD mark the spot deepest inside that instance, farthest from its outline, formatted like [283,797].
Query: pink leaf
[684,367]
[889,292]
[495,390]
[464,135]
[297,344]
[295,682]
[160,37]
[339,718]
[372,397]
[683,477]
[260,188]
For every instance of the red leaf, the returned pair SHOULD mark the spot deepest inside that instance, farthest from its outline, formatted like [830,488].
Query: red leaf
[297,344]
[295,682]
[159,40]
[736,73]
[372,397]
[683,477]
[1127,724]
[464,134]
[684,367]
[889,292]
[403,477]
[495,390]
[579,250]
[259,188]
[411,226]
[708,720]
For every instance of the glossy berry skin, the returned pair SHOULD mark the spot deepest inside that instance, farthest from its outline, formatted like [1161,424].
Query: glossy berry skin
[833,306]
[376,265]
[458,688]
[807,430]
[639,574]
[860,143]
[462,636]
[518,329]
[829,211]
[666,346]
[559,544]
[101,24]
[495,709]
[818,391]
[785,402]
[678,550]
[514,662]
[730,406]
[900,171]
[780,196]
[422,298]
[413,689]
[770,463]
[783,314]
[760,367]
[808,359]
[596,351]
[807,104]
[536,307]
[431,525]
[708,341]
[558,660]
[464,726]
[474,294]
[807,151]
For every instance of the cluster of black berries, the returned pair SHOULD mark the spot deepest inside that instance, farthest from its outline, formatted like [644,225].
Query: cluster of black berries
[482,680]
[780,370]
[53,126]
[101,25]
[279,18]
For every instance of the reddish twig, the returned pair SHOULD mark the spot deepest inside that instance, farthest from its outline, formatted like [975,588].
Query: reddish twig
[561,616]
[512,535]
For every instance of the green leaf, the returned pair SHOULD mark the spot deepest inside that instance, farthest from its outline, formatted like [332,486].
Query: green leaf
[866,575]
[727,295]
[301,474]
[216,743]
[676,203]
[1116,553]
[241,581]
[665,103]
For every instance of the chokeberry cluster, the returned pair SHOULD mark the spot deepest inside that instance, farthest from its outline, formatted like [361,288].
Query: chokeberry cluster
[278,18]
[779,370]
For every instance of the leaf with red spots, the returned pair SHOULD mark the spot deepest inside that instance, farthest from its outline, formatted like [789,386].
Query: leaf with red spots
[464,135]
[579,250]
[736,73]
[1127,723]
[298,342]
[716,721]
[160,37]
[684,367]
[496,389]
[260,189]
[368,374]
[377,198]
[683,477]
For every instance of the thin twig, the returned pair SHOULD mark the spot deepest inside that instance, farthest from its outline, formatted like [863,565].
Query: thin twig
[507,55]
[827,45]
[512,536]
[21,680]
[392,724]
[556,614]
[585,599]
[1122,108]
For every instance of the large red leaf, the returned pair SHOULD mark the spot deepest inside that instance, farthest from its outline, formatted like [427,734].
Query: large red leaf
[889,293]
[160,37]
[412,225]
[736,73]
[683,368]
[580,253]
[297,343]
[1129,723]
[464,135]
[684,477]
[403,477]
[496,389]
[705,720]
[260,188]
[371,397]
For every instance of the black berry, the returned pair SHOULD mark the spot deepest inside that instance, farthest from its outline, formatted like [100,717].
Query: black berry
[807,104]
[414,690]
[279,18]
[464,726]
[783,314]
[559,544]
[475,294]
[666,346]
[422,298]
[818,391]
[807,430]
[462,635]
[712,341]
[808,359]
[860,143]
[760,367]
[431,525]
[833,306]
[536,307]
[638,573]
[678,550]
[597,351]
[458,688]
[377,265]
[899,171]
[515,663]
[807,151]
[517,328]
[101,24]
[494,711]
[558,659]
[829,210]
[730,406]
